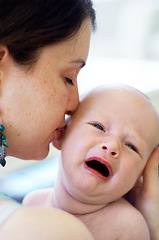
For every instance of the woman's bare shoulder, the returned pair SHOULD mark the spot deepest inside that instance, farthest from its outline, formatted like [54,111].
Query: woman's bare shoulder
[43,224]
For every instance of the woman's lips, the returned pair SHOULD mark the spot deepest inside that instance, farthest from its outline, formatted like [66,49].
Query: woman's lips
[99,167]
[59,132]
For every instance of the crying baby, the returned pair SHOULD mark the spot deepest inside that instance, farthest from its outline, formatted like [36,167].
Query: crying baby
[104,150]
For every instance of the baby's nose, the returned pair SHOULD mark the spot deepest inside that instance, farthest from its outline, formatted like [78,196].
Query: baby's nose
[113,150]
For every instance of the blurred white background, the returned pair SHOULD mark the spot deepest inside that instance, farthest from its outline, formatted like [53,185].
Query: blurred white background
[125,47]
[127,29]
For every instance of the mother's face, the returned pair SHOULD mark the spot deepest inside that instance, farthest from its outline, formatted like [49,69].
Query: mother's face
[34,102]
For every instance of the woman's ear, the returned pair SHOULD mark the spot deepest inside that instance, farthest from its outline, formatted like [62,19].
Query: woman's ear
[3,53]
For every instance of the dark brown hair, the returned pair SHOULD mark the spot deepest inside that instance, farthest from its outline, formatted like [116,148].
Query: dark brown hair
[28,25]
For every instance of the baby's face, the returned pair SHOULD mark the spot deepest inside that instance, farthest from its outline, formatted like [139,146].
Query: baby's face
[107,144]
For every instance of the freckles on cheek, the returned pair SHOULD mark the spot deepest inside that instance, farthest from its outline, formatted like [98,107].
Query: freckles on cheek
[61,99]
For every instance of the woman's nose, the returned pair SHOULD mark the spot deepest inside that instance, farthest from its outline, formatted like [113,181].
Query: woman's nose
[73,100]
[111,148]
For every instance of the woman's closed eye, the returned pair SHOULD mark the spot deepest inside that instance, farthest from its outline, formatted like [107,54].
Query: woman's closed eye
[70,81]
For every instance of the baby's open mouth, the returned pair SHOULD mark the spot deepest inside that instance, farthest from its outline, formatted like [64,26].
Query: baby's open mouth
[99,168]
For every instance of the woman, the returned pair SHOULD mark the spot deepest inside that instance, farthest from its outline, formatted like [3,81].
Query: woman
[43,46]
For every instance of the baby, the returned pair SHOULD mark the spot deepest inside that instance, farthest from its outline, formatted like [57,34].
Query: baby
[105,148]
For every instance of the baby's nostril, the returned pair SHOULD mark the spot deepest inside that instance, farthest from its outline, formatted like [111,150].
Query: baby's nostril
[104,147]
[113,153]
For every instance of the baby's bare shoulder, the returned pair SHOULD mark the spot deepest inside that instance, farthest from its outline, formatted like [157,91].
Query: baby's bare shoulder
[129,221]
[125,222]
[38,198]
[118,220]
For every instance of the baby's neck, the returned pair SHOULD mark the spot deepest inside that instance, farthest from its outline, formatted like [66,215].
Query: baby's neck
[64,201]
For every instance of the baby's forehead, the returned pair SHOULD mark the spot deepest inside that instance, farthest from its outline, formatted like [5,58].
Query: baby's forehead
[124,95]
[113,89]
[116,94]
[134,102]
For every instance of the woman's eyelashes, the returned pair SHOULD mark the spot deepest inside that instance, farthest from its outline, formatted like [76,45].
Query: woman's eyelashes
[70,81]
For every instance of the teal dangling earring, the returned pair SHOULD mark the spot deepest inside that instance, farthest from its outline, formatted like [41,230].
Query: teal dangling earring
[3,145]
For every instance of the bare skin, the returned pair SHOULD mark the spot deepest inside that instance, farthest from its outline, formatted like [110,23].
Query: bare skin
[145,196]
[101,131]
[43,224]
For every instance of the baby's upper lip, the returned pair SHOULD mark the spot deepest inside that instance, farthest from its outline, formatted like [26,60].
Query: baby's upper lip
[100,166]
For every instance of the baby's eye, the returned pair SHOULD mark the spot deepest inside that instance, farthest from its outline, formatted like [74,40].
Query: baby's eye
[132,147]
[97,125]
